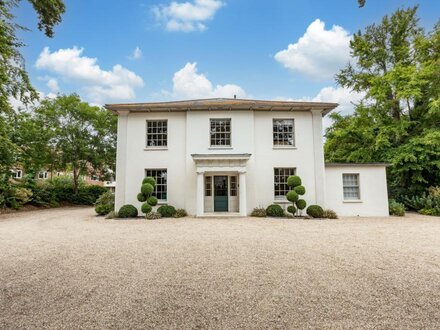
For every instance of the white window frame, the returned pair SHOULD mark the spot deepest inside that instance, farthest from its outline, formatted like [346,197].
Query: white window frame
[219,146]
[357,186]
[147,142]
[157,183]
[15,174]
[284,145]
[44,176]
[281,197]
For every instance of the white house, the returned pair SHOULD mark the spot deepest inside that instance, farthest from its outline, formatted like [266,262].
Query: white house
[230,155]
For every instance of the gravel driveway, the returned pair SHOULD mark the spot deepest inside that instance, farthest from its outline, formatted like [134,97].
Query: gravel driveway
[66,268]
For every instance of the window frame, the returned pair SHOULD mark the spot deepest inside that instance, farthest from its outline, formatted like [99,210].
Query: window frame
[211,120]
[275,182]
[208,186]
[45,175]
[15,172]
[163,146]
[293,145]
[358,186]
[155,193]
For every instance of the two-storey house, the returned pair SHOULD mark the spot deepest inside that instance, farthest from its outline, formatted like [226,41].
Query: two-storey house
[220,156]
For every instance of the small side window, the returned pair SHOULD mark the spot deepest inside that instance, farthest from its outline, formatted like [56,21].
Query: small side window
[351,186]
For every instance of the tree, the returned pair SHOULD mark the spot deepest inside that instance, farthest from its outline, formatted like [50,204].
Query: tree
[397,65]
[14,80]
[81,136]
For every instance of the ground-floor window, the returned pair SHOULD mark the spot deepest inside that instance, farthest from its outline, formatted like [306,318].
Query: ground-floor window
[280,181]
[350,184]
[17,174]
[42,175]
[160,175]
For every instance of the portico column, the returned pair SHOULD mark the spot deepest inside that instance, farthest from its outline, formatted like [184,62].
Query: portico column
[242,193]
[200,194]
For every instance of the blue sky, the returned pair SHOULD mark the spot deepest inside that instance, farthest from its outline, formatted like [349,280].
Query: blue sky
[201,48]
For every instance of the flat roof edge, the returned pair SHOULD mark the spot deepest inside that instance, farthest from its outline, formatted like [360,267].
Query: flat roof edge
[357,164]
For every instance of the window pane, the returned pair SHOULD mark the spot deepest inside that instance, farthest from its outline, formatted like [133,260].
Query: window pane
[157,133]
[350,184]
[220,132]
[160,175]
[280,181]
[283,132]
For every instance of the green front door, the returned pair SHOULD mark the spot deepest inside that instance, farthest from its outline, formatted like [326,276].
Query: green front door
[221,193]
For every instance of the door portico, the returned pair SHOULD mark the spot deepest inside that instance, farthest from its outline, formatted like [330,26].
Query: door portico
[221,181]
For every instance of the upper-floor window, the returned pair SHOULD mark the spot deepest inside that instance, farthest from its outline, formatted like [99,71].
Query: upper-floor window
[283,132]
[160,189]
[350,183]
[157,133]
[220,133]
[280,181]
[17,174]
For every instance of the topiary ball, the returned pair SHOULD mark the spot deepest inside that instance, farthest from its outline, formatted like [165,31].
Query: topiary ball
[275,210]
[149,180]
[141,197]
[315,211]
[292,196]
[146,208]
[293,181]
[291,209]
[152,201]
[128,211]
[147,189]
[301,204]
[166,211]
[300,190]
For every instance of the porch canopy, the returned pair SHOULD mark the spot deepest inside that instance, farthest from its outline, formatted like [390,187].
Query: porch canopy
[221,163]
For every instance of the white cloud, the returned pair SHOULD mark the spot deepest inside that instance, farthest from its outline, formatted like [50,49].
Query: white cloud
[136,55]
[187,16]
[52,83]
[188,84]
[99,85]
[344,96]
[319,53]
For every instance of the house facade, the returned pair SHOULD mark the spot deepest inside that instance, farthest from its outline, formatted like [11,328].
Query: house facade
[230,156]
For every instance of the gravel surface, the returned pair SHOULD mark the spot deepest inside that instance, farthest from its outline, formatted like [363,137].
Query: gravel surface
[66,268]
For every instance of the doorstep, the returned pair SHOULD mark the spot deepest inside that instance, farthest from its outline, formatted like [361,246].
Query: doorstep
[221,215]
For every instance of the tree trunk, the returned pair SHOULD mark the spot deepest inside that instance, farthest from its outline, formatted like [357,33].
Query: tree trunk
[75,180]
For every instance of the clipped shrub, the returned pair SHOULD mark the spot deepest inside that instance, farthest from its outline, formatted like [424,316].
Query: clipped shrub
[301,204]
[128,211]
[180,213]
[329,214]
[146,208]
[166,211]
[149,180]
[292,196]
[147,189]
[153,216]
[141,197]
[396,208]
[300,190]
[291,209]
[259,212]
[315,211]
[152,201]
[293,181]
[105,203]
[275,210]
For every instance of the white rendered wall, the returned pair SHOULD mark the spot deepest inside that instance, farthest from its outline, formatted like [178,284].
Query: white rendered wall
[188,133]
[373,191]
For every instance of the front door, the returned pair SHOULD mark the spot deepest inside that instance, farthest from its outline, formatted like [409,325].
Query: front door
[221,193]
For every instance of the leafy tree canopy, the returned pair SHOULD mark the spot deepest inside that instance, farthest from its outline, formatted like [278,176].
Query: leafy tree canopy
[396,64]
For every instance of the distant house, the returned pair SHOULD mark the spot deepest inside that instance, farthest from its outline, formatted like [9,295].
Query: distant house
[229,155]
